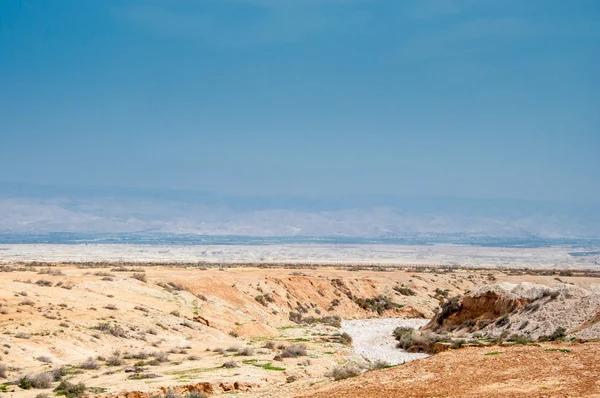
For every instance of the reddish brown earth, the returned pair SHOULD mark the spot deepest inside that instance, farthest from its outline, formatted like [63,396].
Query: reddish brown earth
[532,371]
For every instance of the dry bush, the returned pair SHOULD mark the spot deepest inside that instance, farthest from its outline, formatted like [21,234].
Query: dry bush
[270,345]
[22,335]
[160,356]
[115,359]
[405,291]
[114,330]
[246,352]
[140,277]
[408,337]
[379,364]
[345,372]
[50,271]
[70,390]
[293,351]
[3,369]
[27,302]
[44,359]
[111,307]
[90,364]
[38,380]
[230,364]
[346,339]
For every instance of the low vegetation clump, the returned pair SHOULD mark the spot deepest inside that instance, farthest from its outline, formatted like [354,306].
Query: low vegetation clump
[39,380]
[330,320]
[558,334]
[140,276]
[380,364]
[345,372]
[230,364]
[293,351]
[115,359]
[415,340]
[3,369]
[70,390]
[405,291]
[264,299]
[114,330]
[377,304]
[346,339]
[90,364]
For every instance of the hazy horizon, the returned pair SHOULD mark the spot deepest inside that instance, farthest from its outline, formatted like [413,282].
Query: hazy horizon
[307,117]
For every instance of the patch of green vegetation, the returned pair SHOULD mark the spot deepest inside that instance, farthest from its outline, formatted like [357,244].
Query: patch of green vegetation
[268,366]
[298,340]
[4,387]
[329,352]
[288,327]
[494,353]
[558,350]
[97,390]
[190,372]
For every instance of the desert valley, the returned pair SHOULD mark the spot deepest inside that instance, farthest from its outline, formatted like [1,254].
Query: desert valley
[290,329]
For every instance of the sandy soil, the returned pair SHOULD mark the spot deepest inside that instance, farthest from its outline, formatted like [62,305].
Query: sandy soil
[546,370]
[191,316]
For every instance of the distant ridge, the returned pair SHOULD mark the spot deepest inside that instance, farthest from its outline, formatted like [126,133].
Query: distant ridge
[43,209]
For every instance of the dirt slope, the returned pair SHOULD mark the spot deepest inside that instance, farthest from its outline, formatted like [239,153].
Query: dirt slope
[547,370]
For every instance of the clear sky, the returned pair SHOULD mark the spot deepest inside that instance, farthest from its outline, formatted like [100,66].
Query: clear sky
[467,98]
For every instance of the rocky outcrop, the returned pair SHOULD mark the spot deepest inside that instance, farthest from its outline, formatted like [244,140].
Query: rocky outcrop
[528,310]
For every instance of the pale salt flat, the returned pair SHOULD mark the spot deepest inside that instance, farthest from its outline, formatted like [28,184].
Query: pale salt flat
[389,254]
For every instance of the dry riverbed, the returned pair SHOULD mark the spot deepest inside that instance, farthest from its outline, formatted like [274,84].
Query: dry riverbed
[372,339]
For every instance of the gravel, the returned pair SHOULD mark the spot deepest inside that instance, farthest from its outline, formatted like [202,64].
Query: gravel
[373,340]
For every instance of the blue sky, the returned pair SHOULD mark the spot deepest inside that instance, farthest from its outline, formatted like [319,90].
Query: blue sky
[466,98]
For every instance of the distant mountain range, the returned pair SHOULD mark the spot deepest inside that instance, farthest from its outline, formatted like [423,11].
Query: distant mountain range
[42,209]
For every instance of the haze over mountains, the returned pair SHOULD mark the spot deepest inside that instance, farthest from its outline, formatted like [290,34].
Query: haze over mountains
[42,209]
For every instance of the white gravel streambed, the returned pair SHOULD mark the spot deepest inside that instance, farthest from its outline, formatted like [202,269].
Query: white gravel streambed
[373,340]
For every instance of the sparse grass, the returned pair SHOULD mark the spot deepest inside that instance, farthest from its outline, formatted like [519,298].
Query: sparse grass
[564,350]
[494,353]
